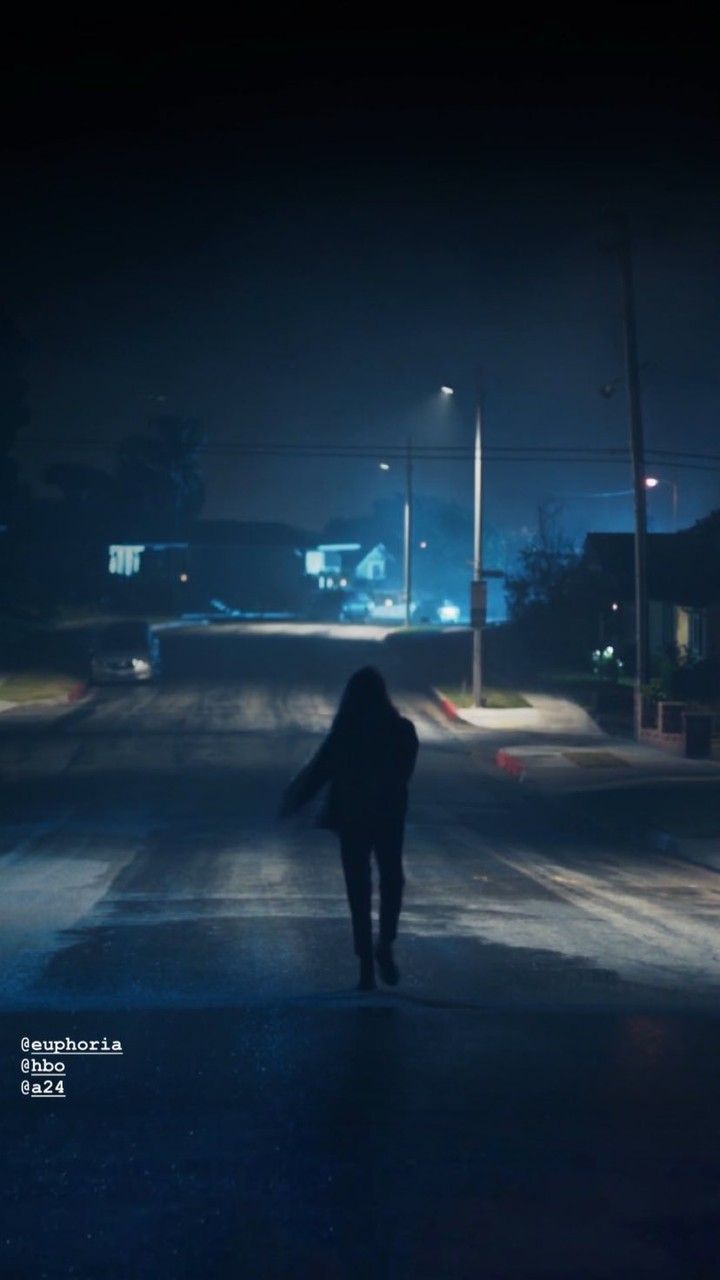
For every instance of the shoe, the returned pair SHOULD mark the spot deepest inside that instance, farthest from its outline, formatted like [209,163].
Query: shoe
[367,976]
[389,971]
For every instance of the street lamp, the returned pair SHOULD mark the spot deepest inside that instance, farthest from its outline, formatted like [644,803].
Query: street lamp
[446,392]
[652,482]
[623,248]
[477,589]
[407,531]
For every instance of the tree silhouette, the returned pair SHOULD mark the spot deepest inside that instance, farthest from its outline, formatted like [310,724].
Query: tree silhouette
[13,411]
[158,474]
[90,500]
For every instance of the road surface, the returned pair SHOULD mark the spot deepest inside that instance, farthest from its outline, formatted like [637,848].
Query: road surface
[538,1098]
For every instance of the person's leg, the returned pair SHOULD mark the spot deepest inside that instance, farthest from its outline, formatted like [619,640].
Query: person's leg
[355,850]
[388,853]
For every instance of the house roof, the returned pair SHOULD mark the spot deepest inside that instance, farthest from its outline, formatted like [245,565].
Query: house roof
[240,533]
[679,570]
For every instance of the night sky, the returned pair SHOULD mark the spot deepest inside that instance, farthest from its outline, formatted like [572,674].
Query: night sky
[299,238]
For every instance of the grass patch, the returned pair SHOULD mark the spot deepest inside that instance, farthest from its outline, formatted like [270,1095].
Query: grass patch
[596,759]
[494,698]
[35,686]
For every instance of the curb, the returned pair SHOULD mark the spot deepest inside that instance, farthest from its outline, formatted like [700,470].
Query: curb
[446,706]
[663,842]
[510,764]
[76,693]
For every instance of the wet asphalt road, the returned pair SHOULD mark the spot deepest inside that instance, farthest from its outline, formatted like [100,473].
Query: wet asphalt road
[538,1099]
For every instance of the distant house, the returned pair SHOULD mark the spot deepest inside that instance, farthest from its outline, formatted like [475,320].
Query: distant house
[375,566]
[253,566]
[332,564]
[256,567]
[683,586]
[345,564]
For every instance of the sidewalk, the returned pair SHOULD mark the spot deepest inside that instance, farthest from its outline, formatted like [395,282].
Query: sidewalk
[545,714]
[553,746]
[42,701]
[606,762]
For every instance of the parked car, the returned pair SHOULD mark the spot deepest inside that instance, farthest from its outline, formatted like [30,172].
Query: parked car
[437,611]
[356,607]
[391,608]
[125,652]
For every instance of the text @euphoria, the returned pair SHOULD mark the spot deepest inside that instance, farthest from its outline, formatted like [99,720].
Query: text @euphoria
[67,1045]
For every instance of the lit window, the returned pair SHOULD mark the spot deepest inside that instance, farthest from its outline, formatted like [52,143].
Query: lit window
[124,560]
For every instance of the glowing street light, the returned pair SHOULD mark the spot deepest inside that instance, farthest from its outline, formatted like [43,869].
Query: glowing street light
[447,391]
[384,466]
[652,482]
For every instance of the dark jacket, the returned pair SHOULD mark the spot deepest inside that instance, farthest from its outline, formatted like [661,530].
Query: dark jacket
[367,768]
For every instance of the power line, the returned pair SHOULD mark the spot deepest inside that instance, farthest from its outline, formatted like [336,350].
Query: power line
[431,453]
[364,449]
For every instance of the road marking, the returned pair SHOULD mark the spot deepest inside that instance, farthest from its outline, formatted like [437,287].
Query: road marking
[649,923]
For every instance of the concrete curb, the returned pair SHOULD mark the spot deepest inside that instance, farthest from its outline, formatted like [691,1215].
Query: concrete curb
[510,764]
[664,842]
[447,706]
[77,693]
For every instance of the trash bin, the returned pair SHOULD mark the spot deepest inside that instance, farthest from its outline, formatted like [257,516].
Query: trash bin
[698,734]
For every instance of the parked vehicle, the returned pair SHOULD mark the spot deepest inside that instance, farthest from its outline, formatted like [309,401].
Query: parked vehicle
[356,607]
[125,652]
[436,611]
[391,608]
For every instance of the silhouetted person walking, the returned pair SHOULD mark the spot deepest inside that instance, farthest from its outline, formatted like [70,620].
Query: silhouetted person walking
[367,759]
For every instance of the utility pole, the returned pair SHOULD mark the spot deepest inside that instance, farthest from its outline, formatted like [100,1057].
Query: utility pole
[477,590]
[637,453]
[408,533]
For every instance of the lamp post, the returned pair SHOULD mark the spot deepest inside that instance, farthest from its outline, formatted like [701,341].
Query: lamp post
[407,530]
[477,597]
[477,586]
[623,247]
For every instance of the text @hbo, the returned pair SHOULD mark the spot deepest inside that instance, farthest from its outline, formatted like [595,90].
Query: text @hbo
[41,1067]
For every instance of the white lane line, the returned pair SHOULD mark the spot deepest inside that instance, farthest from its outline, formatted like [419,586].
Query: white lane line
[31,834]
[665,934]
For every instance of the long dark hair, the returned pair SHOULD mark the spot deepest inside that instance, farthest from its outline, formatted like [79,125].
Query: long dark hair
[365,703]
